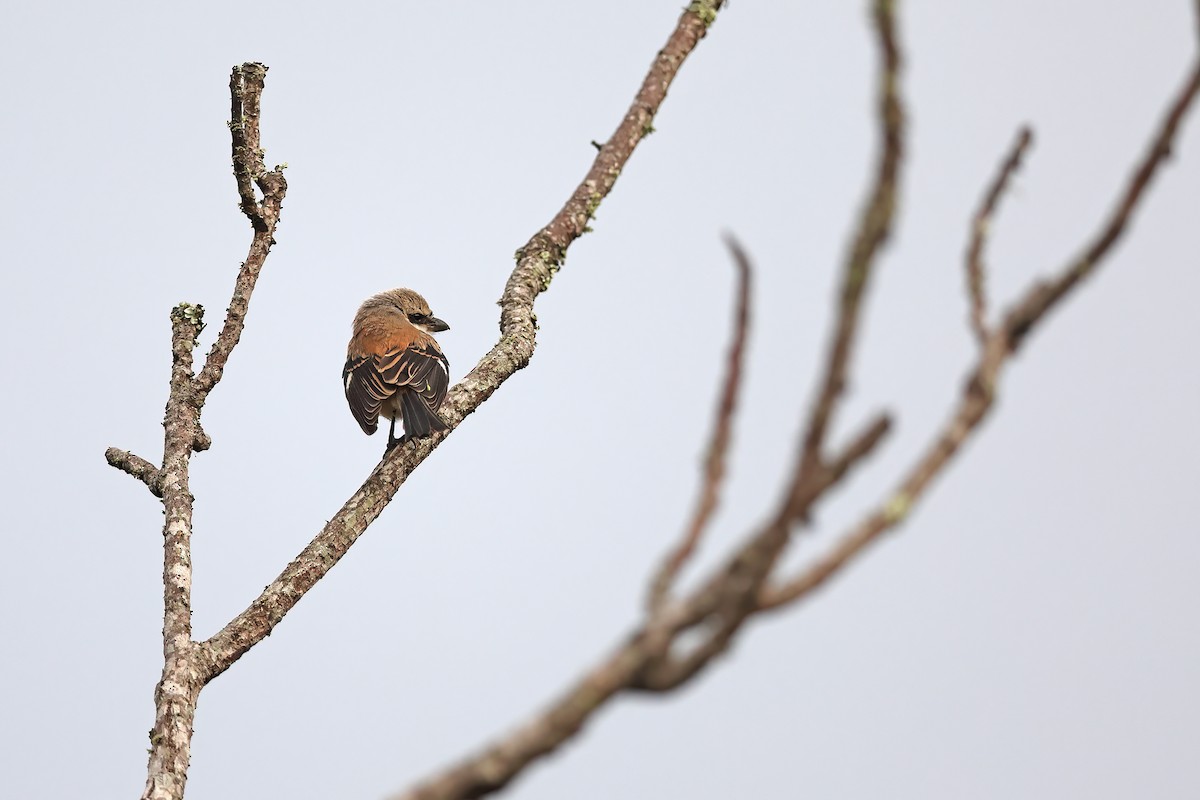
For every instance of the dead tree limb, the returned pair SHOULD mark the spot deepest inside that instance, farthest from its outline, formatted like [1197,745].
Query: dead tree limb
[186,668]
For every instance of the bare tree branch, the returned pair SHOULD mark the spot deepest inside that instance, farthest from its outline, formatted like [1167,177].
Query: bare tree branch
[874,226]
[979,393]
[1044,296]
[981,227]
[183,674]
[136,466]
[714,461]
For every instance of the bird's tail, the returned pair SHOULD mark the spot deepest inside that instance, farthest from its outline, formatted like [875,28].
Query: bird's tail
[419,420]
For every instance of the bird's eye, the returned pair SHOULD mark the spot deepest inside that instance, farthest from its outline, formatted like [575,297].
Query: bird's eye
[417,319]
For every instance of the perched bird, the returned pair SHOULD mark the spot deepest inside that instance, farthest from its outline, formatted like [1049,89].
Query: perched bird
[395,368]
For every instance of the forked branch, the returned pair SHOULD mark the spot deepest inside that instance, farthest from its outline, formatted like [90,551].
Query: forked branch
[979,391]
[185,670]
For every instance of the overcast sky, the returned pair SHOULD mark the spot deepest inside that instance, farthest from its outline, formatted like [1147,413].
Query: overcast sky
[1030,632]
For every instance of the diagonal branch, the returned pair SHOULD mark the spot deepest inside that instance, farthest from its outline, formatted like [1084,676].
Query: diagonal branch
[981,227]
[257,621]
[714,462]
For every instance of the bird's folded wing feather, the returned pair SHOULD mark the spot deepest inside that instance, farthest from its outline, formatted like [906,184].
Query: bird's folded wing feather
[370,380]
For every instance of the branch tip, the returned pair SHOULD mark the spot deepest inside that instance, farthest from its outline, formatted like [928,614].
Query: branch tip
[722,432]
[136,466]
[1045,295]
[976,271]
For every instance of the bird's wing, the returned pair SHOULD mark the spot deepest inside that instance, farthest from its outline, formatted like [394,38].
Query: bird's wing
[370,380]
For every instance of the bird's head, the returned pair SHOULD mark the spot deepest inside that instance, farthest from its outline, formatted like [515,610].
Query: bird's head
[408,303]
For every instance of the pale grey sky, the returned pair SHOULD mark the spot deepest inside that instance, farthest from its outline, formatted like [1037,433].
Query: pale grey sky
[1032,632]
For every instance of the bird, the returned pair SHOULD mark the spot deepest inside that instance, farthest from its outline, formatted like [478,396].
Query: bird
[395,367]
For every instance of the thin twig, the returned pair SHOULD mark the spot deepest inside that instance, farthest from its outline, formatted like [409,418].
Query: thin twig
[981,228]
[249,169]
[714,462]
[874,227]
[1021,319]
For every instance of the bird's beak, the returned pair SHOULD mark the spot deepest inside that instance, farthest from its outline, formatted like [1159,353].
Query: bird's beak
[433,325]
